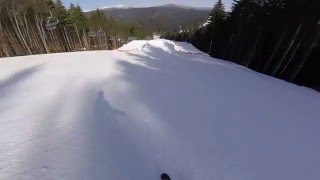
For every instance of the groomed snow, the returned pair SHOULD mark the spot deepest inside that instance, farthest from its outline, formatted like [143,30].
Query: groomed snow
[149,108]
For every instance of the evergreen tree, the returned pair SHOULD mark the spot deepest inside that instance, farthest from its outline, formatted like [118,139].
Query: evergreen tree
[76,17]
[97,20]
[276,37]
[216,28]
[60,11]
[217,13]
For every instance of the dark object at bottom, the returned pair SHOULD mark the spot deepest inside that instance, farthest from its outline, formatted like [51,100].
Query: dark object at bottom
[165,176]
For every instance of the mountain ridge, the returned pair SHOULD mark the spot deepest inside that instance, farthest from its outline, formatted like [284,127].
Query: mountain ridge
[167,17]
[126,6]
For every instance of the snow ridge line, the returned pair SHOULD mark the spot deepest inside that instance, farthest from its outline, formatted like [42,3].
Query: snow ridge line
[193,53]
[185,52]
[128,50]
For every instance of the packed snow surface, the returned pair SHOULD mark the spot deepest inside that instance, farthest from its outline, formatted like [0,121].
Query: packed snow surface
[148,108]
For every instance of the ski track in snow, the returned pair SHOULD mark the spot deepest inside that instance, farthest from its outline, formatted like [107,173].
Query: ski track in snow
[150,108]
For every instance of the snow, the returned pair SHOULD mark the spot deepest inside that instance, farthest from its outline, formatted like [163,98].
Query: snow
[150,107]
[112,7]
[125,6]
[186,7]
[206,23]
[177,6]
[118,6]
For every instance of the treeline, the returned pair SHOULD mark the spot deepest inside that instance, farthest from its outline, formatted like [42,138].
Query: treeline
[276,37]
[45,26]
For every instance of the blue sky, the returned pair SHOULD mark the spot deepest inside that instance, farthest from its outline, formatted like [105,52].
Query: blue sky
[92,4]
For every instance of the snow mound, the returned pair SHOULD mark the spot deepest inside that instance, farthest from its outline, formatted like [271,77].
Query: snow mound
[135,114]
[160,44]
[137,44]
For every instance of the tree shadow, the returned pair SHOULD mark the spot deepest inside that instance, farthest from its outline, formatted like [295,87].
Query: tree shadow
[155,57]
[176,91]
[20,76]
[168,95]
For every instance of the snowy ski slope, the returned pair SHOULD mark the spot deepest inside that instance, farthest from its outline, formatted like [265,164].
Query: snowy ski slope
[152,107]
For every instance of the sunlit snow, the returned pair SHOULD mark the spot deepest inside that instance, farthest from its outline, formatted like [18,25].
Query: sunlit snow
[152,107]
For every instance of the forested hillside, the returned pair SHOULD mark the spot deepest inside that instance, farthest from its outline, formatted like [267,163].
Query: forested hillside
[159,18]
[275,37]
[45,26]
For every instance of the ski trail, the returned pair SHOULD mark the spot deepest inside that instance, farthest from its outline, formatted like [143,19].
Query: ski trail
[135,115]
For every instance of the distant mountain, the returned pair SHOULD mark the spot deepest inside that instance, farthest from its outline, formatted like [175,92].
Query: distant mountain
[158,18]
[118,6]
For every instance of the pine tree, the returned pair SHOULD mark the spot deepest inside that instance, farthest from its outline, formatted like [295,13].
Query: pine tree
[216,28]
[217,14]
[77,17]
[23,27]
[277,37]
[60,12]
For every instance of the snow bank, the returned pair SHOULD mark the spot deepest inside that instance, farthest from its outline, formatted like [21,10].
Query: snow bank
[160,44]
[135,114]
